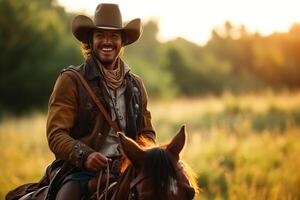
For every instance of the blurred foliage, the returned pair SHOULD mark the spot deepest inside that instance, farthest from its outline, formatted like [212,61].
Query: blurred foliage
[249,145]
[36,44]
[145,58]
[232,155]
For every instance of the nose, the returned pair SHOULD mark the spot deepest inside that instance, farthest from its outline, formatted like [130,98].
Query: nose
[107,39]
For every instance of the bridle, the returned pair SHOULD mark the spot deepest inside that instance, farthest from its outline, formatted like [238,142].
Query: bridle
[133,183]
[142,177]
[136,180]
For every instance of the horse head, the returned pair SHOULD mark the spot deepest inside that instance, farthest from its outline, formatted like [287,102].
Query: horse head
[155,172]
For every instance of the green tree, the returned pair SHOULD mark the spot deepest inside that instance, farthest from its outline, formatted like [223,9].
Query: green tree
[184,78]
[31,36]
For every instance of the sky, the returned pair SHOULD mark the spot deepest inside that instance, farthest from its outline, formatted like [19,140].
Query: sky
[194,19]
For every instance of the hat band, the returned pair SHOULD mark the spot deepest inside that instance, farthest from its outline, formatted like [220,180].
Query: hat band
[108,27]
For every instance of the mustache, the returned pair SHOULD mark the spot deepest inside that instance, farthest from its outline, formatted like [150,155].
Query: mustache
[107,46]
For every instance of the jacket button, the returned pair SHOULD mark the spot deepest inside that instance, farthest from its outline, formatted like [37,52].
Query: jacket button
[136,106]
[135,89]
[99,134]
[89,106]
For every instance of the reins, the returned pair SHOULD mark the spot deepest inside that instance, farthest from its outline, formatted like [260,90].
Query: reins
[106,185]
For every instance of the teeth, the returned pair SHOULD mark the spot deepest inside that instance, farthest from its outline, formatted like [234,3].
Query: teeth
[107,49]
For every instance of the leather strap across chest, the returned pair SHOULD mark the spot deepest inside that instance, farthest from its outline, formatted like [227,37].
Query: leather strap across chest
[95,99]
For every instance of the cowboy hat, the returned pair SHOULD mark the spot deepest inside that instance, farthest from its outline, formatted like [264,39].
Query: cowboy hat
[107,16]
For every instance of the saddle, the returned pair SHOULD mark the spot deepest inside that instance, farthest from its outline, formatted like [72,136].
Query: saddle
[36,190]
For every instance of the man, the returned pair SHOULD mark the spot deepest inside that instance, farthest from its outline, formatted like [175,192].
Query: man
[77,132]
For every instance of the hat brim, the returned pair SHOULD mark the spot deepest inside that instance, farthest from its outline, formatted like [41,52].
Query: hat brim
[83,25]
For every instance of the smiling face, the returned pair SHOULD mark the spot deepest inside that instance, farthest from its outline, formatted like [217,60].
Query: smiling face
[107,45]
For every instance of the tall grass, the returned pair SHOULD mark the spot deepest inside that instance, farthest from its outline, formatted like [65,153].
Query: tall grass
[241,147]
[24,151]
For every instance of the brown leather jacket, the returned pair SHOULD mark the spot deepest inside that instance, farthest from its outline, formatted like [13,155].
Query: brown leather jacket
[76,128]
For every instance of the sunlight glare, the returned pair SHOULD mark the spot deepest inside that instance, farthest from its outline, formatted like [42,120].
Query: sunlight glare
[194,19]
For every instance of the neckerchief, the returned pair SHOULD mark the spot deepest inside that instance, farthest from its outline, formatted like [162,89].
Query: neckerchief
[115,77]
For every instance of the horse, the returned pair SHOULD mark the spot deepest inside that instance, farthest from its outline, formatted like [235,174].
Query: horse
[153,173]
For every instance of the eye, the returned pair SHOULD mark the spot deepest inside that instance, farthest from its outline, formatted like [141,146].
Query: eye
[99,35]
[116,35]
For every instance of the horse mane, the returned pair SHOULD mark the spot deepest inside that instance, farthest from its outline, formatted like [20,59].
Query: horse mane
[162,167]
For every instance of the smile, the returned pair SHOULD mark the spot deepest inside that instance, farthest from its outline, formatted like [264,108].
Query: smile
[107,49]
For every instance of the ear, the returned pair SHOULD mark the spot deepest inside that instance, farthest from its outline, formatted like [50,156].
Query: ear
[131,149]
[177,143]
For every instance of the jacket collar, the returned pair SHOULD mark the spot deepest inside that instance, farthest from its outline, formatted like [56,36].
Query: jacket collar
[91,69]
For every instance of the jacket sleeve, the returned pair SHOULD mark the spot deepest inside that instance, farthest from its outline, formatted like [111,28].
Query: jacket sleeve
[62,114]
[147,130]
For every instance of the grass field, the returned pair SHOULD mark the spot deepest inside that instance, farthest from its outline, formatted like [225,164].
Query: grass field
[241,147]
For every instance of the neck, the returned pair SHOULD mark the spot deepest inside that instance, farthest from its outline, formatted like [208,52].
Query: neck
[109,67]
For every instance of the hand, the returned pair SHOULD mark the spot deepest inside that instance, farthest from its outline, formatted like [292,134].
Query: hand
[96,161]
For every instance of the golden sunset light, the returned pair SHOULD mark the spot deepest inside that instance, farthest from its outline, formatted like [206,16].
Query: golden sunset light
[194,20]
[201,97]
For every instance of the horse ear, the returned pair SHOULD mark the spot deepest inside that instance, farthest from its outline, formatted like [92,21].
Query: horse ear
[131,149]
[177,143]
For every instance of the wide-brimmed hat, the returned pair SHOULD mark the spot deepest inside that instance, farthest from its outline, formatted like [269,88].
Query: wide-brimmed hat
[107,16]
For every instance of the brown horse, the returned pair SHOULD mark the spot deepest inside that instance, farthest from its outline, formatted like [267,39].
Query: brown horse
[155,172]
